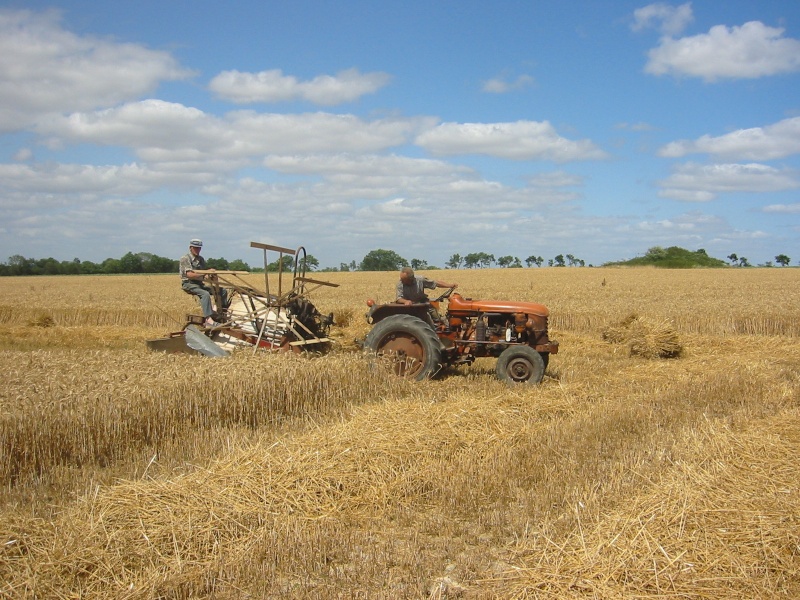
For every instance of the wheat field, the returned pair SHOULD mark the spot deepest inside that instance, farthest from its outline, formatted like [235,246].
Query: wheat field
[130,474]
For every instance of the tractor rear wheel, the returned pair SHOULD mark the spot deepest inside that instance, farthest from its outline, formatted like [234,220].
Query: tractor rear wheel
[409,345]
[520,364]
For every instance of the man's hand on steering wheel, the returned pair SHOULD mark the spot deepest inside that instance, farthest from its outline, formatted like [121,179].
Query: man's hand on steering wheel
[446,293]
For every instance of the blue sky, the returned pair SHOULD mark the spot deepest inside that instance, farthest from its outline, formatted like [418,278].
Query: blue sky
[597,129]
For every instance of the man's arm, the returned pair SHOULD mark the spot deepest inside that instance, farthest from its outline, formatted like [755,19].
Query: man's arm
[400,298]
[442,284]
[195,276]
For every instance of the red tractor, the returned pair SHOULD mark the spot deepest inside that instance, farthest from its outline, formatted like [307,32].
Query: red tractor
[419,342]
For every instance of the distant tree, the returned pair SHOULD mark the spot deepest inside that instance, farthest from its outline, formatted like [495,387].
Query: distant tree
[575,261]
[131,263]
[549,262]
[112,265]
[311,262]
[534,260]
[19,265]
[743,262]
[559,260]
[383,260]
[344,267]
[238,265]
[220,264]
[146,260]
[655,254]
[71,267]
[285,263]
[505,261]
[472,260]
[90,268]
[509,262]
[733,258]
[157,264]
[48,266]
[418,264]
[454,262]
[478,259]
[782,260]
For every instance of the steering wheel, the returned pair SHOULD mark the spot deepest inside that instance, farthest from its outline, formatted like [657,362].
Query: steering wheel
[446,294]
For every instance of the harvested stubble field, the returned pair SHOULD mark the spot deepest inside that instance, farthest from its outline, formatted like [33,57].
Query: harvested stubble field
[127,474]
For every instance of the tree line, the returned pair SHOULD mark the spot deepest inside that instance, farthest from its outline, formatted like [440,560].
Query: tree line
[389,260]
[741,261]
[142,262]
[375,260]
[673,257]
[132,263]
[139,262]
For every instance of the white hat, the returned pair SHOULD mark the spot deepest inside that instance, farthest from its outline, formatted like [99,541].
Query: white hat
[196,243]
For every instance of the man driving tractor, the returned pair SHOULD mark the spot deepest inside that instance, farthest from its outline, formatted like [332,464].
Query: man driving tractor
[411,288]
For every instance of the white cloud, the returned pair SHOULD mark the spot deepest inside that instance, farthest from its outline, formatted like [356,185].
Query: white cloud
[373,176]
[45,69]
[502,85]
[693,229]
[368,165]
[675,192]
[788,209]
[274,86]
[399,208]
[90,181]
[702,183]
[670,20]
[521,140]
[172,134]
[758,143]
[22,155]
[556,179]
[640,126]
[363,217]
[689,228]
[747,52]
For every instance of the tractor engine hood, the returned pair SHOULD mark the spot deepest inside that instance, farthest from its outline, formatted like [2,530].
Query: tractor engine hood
[460,304]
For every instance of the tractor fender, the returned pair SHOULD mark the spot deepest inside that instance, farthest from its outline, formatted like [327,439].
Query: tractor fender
[379,312]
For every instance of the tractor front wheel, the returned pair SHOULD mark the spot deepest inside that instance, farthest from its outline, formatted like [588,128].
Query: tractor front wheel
[408,344]
[520,364]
